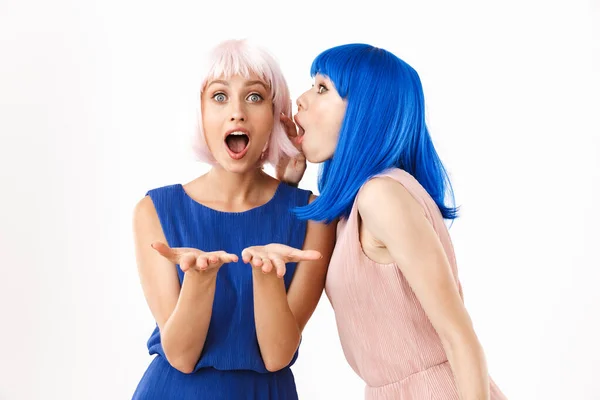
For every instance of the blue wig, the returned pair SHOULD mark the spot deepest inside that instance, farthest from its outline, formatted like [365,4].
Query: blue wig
[384,127]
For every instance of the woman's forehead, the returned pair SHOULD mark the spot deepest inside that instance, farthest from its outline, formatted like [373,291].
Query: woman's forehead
[251,79]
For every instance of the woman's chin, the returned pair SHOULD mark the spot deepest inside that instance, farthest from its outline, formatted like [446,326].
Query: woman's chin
[315,156]
[241,166]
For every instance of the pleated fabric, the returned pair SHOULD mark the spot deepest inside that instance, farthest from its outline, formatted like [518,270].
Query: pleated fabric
[386,336]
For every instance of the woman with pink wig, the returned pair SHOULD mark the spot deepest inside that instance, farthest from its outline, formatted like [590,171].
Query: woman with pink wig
[230,274]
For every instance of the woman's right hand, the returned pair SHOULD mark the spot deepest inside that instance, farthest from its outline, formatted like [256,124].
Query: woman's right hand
[194,259]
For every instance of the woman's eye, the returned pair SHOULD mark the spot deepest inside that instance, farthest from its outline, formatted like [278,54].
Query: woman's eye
[219,97]
[322,89]
[255,97]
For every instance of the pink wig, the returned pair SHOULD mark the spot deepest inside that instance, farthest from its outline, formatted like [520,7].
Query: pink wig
[238,57]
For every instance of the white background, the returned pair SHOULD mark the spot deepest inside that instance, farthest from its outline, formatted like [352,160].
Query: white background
[97,104]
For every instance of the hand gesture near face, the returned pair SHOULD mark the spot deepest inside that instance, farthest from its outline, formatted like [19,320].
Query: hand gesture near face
[291,169]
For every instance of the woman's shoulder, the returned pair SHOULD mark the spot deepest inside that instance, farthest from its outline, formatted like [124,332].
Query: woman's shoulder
[146,206]
[392,191]
[399,179]
[296,191]
[164,189]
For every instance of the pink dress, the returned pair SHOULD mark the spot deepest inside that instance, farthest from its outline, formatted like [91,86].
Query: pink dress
[385,334]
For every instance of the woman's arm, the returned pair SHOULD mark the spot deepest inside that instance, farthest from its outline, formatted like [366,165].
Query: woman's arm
[393,217]
[182,312]
[280,318]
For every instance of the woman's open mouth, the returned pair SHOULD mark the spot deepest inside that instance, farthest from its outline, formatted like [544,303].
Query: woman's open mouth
[300,136]
[236,143]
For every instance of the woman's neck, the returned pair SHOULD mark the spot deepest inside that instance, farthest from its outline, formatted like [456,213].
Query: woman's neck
[228,189]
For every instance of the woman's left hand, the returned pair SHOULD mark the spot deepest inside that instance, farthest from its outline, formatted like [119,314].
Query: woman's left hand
[291,169]
[275,256]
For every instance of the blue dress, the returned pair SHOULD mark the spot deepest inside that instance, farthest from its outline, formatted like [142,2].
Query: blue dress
[230,366]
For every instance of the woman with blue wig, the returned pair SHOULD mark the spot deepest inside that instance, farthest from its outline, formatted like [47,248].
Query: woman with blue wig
[392,279]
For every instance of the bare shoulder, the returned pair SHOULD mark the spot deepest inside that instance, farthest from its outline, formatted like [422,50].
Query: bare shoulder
[146,224]
[144,210]
[382,197]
